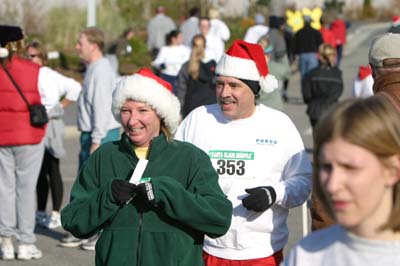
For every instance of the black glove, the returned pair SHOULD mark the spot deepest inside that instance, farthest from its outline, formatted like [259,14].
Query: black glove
[260,198]
[122,191]
[145,190]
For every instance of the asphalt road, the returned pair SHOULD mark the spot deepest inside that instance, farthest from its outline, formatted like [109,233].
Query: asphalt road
[356,53]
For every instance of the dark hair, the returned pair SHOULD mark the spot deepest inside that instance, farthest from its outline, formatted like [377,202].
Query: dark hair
[127,31]
[204,18]
[194,12]
[170,35]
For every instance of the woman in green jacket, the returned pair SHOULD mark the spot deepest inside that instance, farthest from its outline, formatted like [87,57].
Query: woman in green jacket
[153,198]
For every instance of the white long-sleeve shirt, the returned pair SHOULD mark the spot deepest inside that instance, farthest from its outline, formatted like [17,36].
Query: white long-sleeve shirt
[219,29]
[254,33]
[335,246]
[173,57]
[53,85]
[262,150]
[363,88]
[215,47]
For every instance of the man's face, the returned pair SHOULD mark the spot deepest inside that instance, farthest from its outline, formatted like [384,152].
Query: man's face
[235,98]
[204,26]
[85,48]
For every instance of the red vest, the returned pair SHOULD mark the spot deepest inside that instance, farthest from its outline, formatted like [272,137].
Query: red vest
[15,127]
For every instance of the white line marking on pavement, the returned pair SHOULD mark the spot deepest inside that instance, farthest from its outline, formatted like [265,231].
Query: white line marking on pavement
[71,132]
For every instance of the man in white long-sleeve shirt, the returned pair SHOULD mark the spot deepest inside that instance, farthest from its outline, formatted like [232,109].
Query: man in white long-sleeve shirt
[259,156]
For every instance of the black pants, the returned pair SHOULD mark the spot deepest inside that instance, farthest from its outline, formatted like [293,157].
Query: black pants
[50,175]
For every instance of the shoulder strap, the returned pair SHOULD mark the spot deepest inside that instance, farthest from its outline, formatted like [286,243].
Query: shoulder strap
[15,84]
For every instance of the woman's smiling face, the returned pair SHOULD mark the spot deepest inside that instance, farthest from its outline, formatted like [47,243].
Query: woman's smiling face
[140,122]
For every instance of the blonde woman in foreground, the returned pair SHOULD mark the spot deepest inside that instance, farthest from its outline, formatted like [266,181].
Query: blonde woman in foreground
[357,173]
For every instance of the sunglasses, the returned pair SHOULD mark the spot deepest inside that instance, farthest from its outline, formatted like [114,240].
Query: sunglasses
[31,56]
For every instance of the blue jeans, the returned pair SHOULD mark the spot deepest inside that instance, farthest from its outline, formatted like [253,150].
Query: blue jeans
[307,61]
[86,142]
[339,52]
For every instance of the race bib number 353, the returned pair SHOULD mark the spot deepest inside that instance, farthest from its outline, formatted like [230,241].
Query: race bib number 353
[231,164]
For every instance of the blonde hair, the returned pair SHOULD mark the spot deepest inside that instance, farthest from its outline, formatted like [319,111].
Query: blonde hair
[94,35]
[213,13]
[164,129]
[197,55]
[327,54]
[370,123]
[15,47]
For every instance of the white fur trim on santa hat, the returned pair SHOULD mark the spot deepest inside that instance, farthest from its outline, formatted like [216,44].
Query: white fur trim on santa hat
[242,68]
[237,67]
[144,89]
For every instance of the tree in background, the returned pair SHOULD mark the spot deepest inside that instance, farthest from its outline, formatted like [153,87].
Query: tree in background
[368,10]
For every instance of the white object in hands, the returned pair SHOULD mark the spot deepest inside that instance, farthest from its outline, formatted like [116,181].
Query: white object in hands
[137,174]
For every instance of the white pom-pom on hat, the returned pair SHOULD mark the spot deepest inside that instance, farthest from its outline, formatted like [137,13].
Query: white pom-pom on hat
[3,52]
[245,60]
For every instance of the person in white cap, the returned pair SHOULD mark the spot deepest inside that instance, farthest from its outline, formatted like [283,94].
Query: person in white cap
[154,197]
[384,59]
[255,32]
[259,156]
[21,147]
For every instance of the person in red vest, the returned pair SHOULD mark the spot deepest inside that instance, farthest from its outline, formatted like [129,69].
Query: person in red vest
[21,148]
[327,34]
[338,27]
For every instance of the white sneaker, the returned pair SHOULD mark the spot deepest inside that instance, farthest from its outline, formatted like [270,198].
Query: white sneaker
[54,221]
[28,252]
[90,245]
[69,241]
[7,249]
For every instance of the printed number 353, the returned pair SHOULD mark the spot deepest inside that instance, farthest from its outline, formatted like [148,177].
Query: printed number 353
[231,167]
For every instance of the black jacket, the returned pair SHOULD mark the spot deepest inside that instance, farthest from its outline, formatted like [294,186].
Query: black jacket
[321,88]
[307,40]
[194,93]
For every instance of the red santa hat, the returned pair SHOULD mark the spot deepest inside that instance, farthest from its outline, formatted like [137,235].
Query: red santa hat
[246,61]
[364,71]
[395,20]
[144,86]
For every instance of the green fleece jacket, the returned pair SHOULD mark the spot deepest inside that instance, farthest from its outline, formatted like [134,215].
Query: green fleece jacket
[169,231]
